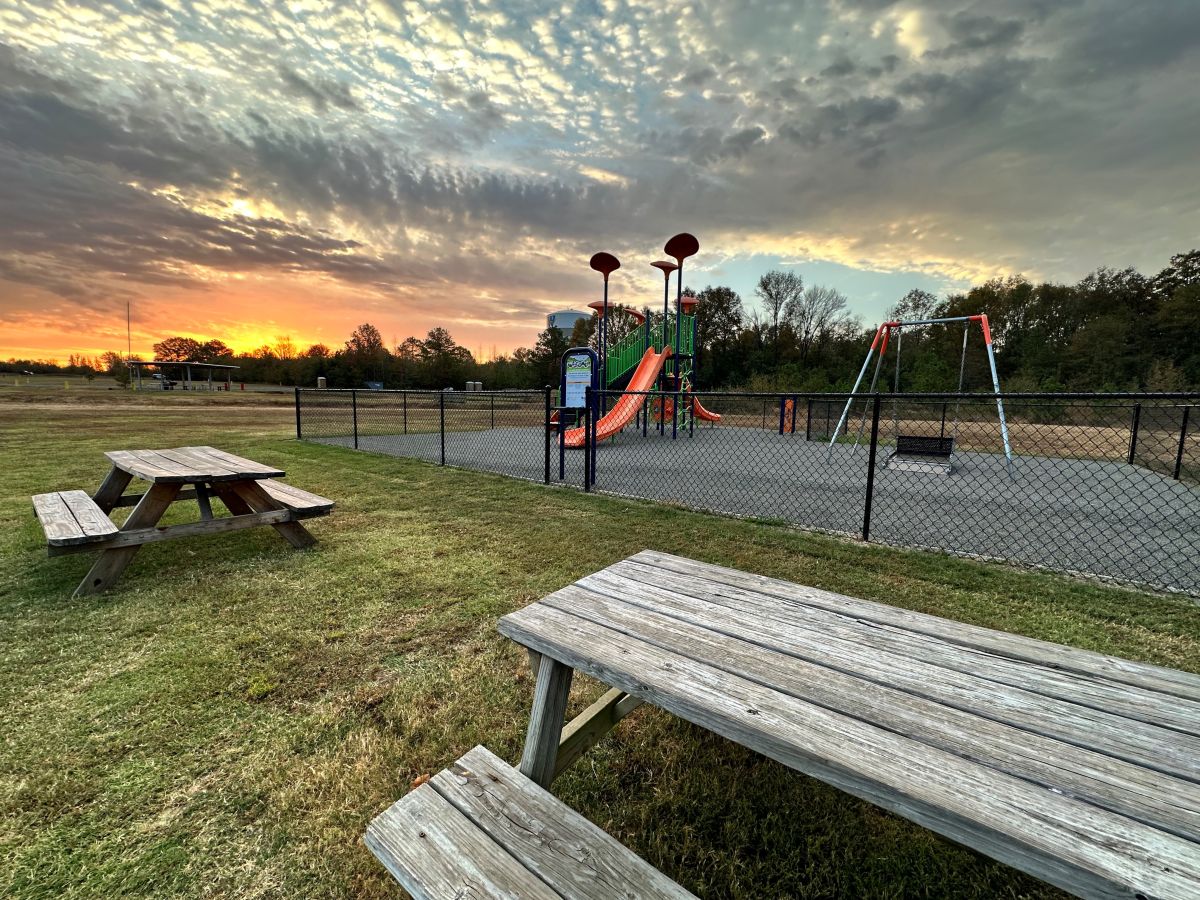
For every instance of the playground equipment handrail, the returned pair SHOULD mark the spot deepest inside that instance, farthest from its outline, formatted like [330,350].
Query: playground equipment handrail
[627,353]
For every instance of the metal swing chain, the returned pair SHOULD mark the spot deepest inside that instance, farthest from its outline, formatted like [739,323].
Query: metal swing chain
[896,387]
[962,367]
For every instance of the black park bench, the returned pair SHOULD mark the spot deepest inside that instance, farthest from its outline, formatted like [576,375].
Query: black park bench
[922,453]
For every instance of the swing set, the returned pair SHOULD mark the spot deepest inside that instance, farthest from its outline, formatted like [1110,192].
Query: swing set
[922,453]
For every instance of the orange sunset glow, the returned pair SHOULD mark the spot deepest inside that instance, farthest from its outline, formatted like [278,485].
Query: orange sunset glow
[242,172]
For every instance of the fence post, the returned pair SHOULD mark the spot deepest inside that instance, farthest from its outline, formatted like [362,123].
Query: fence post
[808,421]
[1182,443]
[354,414]
[792,427]
[545,428]
[782,406]
[404,401]
[594,417]
[493,396]
[587,438]
[298,435]
[866,528]
[943,431]
[442,422]
[1133,431]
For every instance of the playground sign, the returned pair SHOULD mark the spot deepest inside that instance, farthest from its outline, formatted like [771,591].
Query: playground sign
[579,369]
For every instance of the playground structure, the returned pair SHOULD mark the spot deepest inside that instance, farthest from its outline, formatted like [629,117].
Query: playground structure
[922,453]
[654,364]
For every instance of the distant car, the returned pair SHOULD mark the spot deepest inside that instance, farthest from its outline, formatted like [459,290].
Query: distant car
[26,372]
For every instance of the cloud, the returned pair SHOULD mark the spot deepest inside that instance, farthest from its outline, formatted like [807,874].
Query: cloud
[321,94]
[422,156]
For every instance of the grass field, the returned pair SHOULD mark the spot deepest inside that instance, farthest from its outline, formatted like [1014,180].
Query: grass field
[229,719]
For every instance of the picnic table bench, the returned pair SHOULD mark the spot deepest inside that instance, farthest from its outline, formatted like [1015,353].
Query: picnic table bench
[75,522]
[1078,768]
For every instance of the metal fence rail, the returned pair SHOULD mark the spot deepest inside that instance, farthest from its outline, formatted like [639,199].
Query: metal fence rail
[1105,485]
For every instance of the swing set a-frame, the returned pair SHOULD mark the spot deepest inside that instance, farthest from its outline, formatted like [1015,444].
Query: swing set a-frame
[936,447]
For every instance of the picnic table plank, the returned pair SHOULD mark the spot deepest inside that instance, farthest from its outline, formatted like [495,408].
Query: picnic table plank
[572,855]
[1062,839]
[1099,693]
[212,470]
[436,852]
[1129,789]
[189,464]
[91,518]
[929,665]
[295,498]
[1017,647]
[146,465]
[247,467]
[71,520]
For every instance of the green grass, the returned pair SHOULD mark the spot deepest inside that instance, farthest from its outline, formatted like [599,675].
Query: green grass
[227,721]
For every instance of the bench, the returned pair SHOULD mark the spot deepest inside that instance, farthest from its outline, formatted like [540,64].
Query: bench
[76,523]
[481,829]
[1075,767]
[72,519]
[304,504]
[924,445]
[922,453]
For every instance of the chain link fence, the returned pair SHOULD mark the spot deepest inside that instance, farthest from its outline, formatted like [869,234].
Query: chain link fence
[1104,485]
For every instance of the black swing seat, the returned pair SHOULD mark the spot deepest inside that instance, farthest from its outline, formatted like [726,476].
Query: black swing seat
[923,454]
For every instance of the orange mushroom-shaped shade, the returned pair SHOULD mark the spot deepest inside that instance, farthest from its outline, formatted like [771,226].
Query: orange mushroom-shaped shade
[681,246]
[630,311]
[666,265]
[688,304]
[598,306]
[605,263]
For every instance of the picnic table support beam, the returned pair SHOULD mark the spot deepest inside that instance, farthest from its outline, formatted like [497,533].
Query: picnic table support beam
[586,729]
[230,498]
[259,501]
[546,721]
[202,501]
[108,495]
[108,568]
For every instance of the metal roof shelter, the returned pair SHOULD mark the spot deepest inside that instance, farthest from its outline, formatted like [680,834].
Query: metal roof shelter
[186,382]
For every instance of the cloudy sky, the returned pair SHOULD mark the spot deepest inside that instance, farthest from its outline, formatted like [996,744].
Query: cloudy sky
[242,170]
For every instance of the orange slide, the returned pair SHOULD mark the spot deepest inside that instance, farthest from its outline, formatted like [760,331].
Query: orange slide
[702,413]
[699,411]
[622,414]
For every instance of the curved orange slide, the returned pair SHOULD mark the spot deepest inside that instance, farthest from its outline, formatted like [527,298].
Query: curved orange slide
[702,413]
[622,414]
[697,409]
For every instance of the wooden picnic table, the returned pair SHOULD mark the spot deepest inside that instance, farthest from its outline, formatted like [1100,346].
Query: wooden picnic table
[1078,768]
[75,522]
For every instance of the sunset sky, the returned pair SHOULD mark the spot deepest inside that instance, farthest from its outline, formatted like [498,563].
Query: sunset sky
[241,170]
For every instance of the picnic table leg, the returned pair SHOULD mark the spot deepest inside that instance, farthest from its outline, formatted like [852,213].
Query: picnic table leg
[235,504]
[111,489]
[546,721]
[108,568]
[202,501]
[260,501]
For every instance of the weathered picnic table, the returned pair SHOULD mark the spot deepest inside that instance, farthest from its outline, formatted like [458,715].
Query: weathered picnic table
[75,522]
[1078,768]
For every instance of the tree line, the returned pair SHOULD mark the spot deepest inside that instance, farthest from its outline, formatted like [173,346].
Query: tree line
[1113,330]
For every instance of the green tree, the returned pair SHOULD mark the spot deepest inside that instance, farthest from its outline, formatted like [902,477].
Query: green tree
[545,359]
[213,350]
[446,363]
[778,289]
[178,349]
[719,319]
[812,315]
